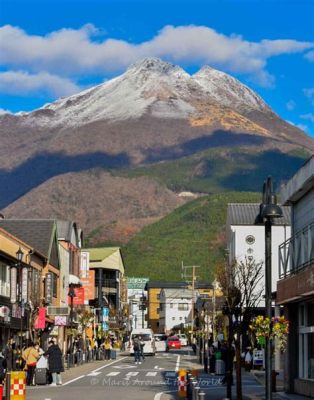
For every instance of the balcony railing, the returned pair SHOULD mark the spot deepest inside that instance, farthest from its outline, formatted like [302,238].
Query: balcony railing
[297,252]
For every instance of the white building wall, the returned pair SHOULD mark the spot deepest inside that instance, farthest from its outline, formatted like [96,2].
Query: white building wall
[174,316]
[240,247]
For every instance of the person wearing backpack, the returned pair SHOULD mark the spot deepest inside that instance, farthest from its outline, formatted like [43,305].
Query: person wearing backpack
[137,350]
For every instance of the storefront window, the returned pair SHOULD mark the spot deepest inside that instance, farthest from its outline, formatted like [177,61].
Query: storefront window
[310,344]
[4,280]
[310,314]
[306,341]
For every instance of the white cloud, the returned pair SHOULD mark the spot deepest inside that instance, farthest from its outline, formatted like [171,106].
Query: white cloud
[69,52]
[310,55]
[23,83]
[309,116]
[309,93]
[290,105]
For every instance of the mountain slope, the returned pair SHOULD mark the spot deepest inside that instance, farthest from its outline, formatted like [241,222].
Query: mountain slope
[116,156]
[193,234]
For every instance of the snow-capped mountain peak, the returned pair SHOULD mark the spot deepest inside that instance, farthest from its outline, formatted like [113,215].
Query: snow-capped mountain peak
[229,91]
[156,65]
[149,86]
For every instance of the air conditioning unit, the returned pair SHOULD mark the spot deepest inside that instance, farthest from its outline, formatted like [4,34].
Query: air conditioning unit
[58,310]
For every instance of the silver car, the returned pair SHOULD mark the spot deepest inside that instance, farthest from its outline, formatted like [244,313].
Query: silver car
[160,341]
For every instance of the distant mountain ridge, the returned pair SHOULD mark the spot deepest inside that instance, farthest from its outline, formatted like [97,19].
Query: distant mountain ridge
[90,157]
[144,87]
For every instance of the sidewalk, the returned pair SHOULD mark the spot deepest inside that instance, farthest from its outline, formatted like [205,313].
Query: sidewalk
[279,394]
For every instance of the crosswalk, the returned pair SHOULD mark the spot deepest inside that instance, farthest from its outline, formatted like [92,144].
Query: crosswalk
[130,374]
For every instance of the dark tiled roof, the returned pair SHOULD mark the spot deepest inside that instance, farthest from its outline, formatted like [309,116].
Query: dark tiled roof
[246,214]
[38,233]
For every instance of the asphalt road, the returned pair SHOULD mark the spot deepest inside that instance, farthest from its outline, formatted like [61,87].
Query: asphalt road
[154,379]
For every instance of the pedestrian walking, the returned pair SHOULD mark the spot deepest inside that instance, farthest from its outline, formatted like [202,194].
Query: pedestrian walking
[248,359]
[55,363]
[137,350]
[142,344]
[31,356]
[107,347]
[8,354]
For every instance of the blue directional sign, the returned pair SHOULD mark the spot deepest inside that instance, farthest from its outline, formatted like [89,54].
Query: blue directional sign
[105,314]
[105,326]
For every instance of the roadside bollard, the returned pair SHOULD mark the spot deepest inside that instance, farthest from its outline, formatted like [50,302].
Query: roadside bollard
[194,384]
[197,390]
[201,396]
[17,385]
[7,385]
[182,383]
[189,386]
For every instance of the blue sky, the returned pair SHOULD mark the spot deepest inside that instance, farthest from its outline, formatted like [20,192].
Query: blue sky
[50,49]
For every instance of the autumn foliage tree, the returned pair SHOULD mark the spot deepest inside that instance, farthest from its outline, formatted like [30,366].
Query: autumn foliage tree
[241,282]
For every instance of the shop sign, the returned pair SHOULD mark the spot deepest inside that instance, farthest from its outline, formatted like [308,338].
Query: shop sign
[84,264]
[40,321]
[13,286]
[60,320]
[24,284]
[79,297]
[89,285]
[48,288]
[137,283]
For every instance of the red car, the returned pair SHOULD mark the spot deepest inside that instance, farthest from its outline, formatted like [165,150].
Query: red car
[173,342]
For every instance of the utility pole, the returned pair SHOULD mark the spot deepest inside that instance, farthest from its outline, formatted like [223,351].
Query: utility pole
[187,278]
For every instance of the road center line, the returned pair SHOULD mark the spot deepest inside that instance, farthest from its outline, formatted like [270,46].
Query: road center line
[177,364]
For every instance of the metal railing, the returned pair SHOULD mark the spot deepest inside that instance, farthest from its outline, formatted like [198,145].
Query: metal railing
[297,252]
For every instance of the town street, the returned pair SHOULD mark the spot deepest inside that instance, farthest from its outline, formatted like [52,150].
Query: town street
[154,379]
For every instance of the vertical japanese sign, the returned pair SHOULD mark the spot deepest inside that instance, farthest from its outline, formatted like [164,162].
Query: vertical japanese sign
[24,284]
[48,288]
[89,285]
[84,264]
[13,280]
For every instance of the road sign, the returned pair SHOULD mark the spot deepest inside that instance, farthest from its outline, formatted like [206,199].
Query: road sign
[105,314]
[105,326]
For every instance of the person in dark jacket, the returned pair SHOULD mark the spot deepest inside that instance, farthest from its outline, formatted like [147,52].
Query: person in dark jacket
[9,355]
[3,367]
[55,364]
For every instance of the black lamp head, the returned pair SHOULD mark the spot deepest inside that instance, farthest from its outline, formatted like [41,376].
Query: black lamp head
[19,255]
[272,211]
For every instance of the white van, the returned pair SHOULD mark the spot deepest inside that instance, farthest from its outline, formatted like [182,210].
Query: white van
[147,337]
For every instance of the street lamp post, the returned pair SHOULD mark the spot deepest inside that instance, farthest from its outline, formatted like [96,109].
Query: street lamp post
[71,294]
[268,211]
[19,287]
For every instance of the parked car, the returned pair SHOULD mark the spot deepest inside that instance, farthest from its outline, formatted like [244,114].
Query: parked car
[183,339]
[173,342]
[160,341]
[147,337]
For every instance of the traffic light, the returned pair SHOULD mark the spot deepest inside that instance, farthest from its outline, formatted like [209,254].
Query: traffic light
[142,304]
